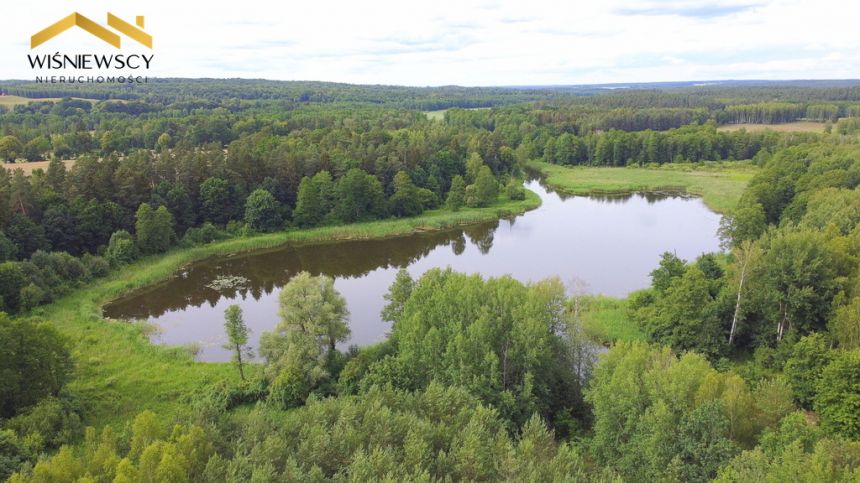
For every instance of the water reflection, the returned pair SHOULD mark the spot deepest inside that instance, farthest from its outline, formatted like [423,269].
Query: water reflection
[610,242]
[267,270]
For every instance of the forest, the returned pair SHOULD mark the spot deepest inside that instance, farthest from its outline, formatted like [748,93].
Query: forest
[748,370]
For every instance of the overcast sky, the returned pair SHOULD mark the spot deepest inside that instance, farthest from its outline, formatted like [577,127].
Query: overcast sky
[464,42]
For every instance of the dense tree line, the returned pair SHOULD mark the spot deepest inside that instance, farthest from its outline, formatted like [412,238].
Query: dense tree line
[340,167]
[481,379]
[690,143]
[288,93]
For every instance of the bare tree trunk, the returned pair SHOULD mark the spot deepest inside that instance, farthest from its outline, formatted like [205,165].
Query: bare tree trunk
[505,366]
[239,361]
[746,251]
[780,327]
[738,301]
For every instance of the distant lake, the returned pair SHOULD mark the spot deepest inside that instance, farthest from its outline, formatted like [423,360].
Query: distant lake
[611,243]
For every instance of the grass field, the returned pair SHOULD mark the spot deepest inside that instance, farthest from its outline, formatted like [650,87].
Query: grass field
[436,115]
[797,126]
[719,184]
[605,321]
[119,373]
[11,101]
[440,114]
[31,166]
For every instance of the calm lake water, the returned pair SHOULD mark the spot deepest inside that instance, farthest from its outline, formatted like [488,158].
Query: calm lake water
[610,243]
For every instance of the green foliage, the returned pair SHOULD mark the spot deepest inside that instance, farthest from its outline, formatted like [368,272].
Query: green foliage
[744,223]
[457,194]
[658,416]
[796,280]
[10,148]
[237,337]
[153,229]
[151,454]
[262,211]
[11,282]
[315,199]
[803,368]
[34,363]
[26,235]
[511,354]
[473,167]
[121,249]
[299,351]
[404,201]
[845,325]
[687,308]
[8,249]
[795,452]
[441,433]
[13,453]
[687,316]
[606,320]
[219,200]
[359,196]
[484,190]
[205,233]
[498,338]
[49,424]
[514,190]
[397,296]
[837,399]
[670,267]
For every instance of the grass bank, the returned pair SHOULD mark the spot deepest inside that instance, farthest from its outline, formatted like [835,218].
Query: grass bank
[719,184]
[605,321]
[119,373]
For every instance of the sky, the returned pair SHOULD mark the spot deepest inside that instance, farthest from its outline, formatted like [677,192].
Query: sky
[463,42]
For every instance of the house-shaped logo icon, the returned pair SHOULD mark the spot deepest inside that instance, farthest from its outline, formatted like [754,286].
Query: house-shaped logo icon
[78,20]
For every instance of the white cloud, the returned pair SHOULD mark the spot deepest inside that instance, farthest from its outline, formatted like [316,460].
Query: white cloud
[468,42]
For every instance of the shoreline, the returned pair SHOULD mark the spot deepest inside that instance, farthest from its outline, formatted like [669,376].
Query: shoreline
[121,372]
[719,187]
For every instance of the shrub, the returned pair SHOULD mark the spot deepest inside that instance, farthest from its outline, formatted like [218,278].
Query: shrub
[95,265]
[121,249]
[206,233]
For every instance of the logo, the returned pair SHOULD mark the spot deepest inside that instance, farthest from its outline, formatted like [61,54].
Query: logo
[78,20]
[120,67]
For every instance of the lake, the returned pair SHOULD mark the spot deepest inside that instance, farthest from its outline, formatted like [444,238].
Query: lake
[611,243]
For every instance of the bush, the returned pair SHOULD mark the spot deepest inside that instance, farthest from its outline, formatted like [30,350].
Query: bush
[67,267]
[12,454]
[52,422]
[515,191]
[32,296]
[121,249]
[206,233]
[95,265]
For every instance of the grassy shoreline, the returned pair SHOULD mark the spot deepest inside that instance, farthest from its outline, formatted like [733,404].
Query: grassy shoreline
[720,185]
[119,372]
[605,320]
